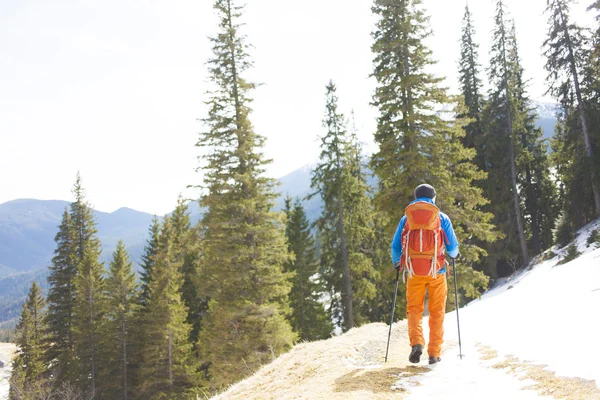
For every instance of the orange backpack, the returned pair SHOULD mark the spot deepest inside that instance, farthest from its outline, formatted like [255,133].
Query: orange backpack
[423,240]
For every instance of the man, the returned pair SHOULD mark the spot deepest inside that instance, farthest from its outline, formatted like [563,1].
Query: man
[418,248]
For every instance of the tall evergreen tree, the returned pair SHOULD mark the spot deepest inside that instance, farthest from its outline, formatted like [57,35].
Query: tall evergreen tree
[117,342]
[417,144]
[243,240]
[535,184]
[61,304]
[346,222]
[28,380]
[148,256]
[471,86]
[502,76]
[168,366]
[308,318]
[90,304]
[186,248]
[566,57]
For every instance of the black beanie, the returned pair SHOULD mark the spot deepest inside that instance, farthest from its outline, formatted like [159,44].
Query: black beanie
[424,190]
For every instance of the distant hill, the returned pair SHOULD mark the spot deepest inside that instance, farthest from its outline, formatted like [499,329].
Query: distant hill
[28,228]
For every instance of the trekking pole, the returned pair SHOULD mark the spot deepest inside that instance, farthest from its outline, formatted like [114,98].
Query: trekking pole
[457,319]
[392,317]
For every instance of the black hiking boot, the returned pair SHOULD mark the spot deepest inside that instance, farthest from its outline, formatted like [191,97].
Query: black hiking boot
[415,354]
[434,360]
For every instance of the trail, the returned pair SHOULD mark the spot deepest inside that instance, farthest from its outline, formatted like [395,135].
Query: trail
[534,336]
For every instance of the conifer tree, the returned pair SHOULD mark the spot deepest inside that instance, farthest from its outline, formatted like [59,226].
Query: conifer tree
[28,380]
[118,330]
[147,263]
[90,304]
[418,145]
[502,76]
[168,366]
[186,248]
[243,240]
[565,49]
[346,222]
[471,86]
[61,304]
[308,318]
[536,186]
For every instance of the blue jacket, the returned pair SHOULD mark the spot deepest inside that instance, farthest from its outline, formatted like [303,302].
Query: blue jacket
[451,244]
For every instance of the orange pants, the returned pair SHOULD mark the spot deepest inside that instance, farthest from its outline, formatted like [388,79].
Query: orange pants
[415,299]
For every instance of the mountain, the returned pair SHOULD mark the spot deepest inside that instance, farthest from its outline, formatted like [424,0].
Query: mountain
[546,113]
[28,227]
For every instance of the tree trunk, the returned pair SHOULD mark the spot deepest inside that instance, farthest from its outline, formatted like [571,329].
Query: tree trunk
[124,341]
[349,320]
[92,338]
[170,360]
[582,113]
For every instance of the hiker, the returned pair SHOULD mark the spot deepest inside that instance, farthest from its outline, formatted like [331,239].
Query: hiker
[418,250]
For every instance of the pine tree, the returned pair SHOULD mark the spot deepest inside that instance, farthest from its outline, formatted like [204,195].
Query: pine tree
[564,48]
[29,372]
[346,222]
[61,304]
[471,86]
[168,366]
[90,304]
[535,183]
[147,263]
[116,375]
[417,144]
[308,318]
[243,240]
[185,246]
[502,76]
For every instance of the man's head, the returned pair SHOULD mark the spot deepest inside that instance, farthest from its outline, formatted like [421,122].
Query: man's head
[425,190]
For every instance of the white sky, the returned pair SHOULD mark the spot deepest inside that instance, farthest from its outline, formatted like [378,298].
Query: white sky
[114,88]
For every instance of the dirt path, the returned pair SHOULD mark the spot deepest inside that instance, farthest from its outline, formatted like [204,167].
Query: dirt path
[351,367]
[345,367]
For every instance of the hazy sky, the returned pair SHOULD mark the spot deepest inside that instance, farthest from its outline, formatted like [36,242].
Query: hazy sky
[115,88]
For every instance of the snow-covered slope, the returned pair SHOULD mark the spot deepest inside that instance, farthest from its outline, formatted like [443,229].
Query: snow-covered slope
[6,353]
[535,336]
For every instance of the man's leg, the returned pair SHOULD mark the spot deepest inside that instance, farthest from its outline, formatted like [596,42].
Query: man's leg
[438,291]
[415,297]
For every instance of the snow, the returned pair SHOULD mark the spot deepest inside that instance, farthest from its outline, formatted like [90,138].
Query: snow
[547,315]
[6,352]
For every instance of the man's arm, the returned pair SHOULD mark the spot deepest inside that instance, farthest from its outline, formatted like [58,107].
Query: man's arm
[451,240]
[397,242]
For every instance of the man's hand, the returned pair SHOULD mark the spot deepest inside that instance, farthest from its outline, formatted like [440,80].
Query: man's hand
[457,257]
[397,266]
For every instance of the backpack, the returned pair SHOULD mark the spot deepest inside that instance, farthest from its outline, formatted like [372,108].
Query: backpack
[423,240]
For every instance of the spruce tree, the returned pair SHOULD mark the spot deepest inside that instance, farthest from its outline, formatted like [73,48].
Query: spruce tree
[186,248]
[564,49]
[90,304]
[29,372]
[471,86]
[346,222]
[535,184]
[61,304]
[308,318]
[118,330]
[147,263]
[417,144]
[502,76]
[168,367]
[243,240]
